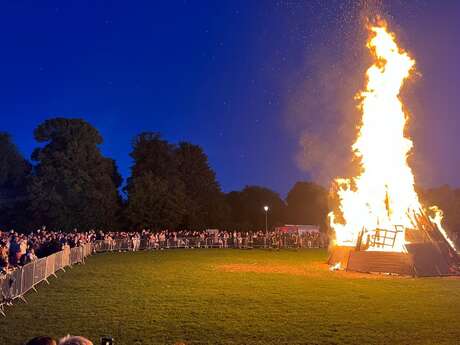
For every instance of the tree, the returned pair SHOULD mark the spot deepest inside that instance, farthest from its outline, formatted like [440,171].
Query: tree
[14,170]
[156,194]
[73,185]
[247,208]
[205,203]
[307,203]
[152,204]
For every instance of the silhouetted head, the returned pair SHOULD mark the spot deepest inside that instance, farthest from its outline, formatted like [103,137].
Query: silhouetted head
[75,340]
[43,340]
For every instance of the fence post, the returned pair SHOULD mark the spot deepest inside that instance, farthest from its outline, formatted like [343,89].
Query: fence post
[21,294]
[22,283]
[33,277]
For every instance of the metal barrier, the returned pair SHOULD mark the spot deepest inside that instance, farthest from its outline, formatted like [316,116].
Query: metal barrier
[248,242]
[17,283]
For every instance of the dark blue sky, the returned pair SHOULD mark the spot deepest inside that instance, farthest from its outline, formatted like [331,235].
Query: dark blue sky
[223,74]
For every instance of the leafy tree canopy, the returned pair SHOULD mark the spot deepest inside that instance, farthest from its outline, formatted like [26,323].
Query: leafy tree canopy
[73,185]
[13,167]
[206,206]
[247,208]
[307,203]
[156,193]
[14,170]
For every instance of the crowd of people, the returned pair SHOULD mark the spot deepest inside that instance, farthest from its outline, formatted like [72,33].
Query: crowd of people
[19,249]
[209,239]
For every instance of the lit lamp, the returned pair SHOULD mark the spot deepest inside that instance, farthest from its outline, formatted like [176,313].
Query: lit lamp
[266,218]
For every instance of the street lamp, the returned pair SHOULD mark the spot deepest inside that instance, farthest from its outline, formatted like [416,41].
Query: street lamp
[266,219]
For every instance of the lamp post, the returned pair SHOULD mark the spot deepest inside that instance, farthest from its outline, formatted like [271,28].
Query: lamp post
[266,219]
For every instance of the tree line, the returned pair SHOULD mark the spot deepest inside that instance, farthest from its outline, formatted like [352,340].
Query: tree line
[69,184]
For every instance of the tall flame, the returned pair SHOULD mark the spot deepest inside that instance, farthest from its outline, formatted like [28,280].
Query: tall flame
[383,195]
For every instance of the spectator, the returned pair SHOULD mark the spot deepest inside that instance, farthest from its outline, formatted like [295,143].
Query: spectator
[75,340]
[13,252]
[43,340]
[3,257]
[28,257]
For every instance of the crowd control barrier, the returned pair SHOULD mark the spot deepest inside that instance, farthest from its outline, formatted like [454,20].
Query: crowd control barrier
[17,283]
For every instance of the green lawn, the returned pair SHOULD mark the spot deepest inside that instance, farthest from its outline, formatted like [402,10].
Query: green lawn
[215,296]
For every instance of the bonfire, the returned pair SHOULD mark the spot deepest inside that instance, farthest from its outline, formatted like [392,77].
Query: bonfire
[380,224]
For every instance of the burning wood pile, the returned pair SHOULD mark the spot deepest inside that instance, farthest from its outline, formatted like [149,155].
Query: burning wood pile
[380,224]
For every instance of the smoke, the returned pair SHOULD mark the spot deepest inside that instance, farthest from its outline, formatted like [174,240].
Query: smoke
[322,113]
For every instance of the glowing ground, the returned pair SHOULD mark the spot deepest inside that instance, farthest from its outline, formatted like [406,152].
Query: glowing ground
[235,297]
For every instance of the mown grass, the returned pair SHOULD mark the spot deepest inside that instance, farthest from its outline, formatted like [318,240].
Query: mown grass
[235,297]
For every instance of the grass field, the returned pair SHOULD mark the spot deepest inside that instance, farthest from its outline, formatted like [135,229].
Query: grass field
[235,297]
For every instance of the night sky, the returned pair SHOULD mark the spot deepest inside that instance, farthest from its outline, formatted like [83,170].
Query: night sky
[248,80]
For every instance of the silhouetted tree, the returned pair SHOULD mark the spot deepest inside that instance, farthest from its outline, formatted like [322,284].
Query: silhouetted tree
[307,203]
[14,170]
[247,208]
[156,193]
[205,203]
[73,185]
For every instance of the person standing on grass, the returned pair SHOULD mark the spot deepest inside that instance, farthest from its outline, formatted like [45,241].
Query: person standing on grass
[30,256]
[3,258]
[13,251]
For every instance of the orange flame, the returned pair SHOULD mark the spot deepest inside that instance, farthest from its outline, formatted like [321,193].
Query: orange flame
[383,195]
